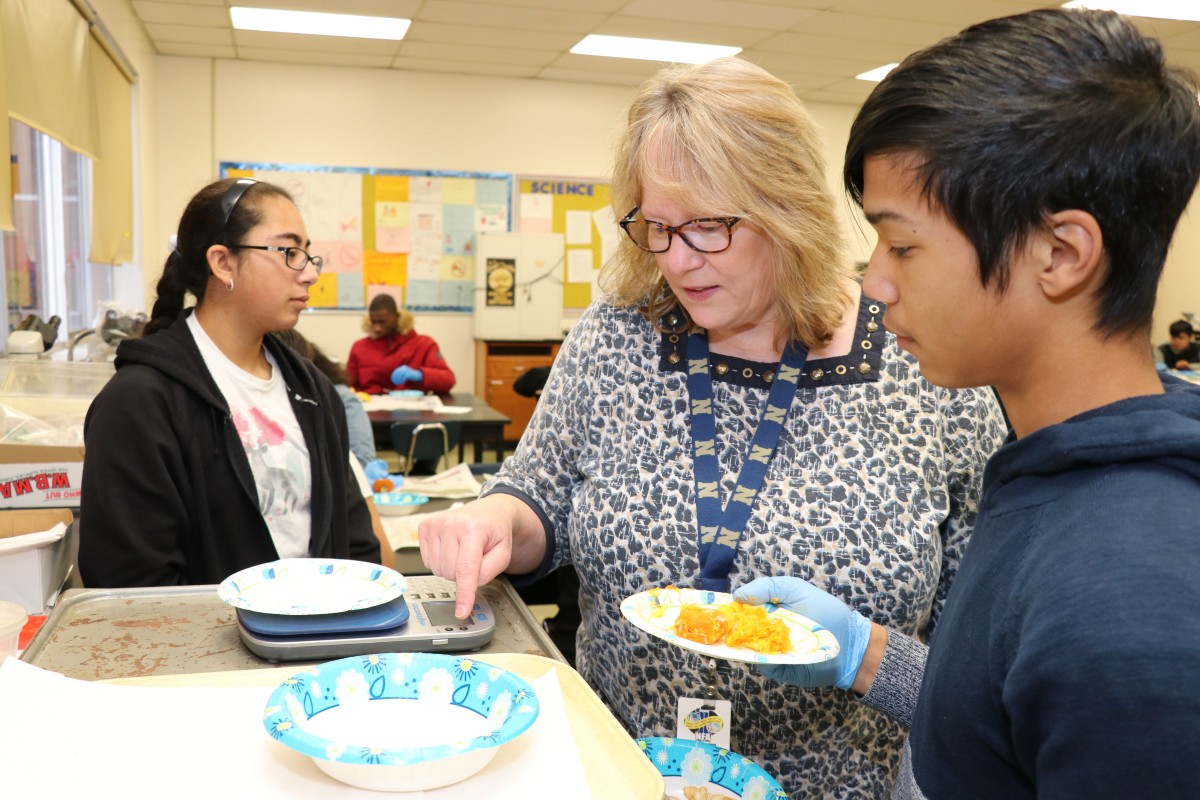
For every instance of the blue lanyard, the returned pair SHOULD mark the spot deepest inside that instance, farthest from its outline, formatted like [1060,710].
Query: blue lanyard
[721,528]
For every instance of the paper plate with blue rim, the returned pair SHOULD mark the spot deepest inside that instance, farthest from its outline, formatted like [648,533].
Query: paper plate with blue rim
[702,771]
[655,611]
[401,721]
[406,393]
[301,586]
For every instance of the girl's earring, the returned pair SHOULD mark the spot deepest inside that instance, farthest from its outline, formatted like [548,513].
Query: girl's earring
[231,284]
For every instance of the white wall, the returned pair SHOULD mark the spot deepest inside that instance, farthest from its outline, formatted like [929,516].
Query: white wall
[210,111]
[206,111]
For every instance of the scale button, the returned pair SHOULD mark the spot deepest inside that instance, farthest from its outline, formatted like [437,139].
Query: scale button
[439,642]
[463,628]
[449,628]
[481,617]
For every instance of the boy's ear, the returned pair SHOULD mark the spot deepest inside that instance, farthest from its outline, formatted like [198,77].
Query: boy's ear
[1076,253]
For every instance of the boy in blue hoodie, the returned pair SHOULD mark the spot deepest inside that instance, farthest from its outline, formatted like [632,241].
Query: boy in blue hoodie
[1025,178]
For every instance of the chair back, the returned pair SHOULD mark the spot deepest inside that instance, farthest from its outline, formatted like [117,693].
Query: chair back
[421,441]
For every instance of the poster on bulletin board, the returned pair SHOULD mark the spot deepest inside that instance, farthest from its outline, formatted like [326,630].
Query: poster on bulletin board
[579,210]
[408,233]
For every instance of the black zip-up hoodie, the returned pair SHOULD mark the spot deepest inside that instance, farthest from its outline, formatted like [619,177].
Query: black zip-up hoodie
[168,494]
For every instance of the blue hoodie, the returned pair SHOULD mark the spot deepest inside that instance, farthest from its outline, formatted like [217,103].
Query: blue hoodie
[1067,661]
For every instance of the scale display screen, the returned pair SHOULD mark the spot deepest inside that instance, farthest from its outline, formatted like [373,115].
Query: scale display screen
[441,614]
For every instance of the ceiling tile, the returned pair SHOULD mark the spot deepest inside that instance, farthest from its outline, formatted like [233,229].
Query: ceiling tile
[719,12]
[474,34]
[370,8]
[816,45]
[867,28]
[511,16]
[628,66]
[196,50]
[192,34]
[646,28]
[179,14]
[316,44]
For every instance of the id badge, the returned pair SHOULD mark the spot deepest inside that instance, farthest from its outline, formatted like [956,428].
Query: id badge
[704,719]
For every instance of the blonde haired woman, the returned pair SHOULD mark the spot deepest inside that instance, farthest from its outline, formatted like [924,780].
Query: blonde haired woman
[732,292]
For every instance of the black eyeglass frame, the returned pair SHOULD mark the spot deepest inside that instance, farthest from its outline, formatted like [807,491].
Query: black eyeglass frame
[674,230]
[316,261]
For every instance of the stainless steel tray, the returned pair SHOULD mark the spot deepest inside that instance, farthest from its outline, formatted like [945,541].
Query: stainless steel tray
[101,634]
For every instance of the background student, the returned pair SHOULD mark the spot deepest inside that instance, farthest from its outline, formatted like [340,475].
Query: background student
[395,356]
[1182,351]
[1026,176]
[214,447]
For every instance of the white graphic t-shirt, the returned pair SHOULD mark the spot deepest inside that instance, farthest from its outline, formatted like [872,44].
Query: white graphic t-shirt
[273,441]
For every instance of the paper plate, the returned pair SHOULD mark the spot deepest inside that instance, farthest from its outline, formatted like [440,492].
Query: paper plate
[383,617]
[655,612]
[703,770]
[296,586]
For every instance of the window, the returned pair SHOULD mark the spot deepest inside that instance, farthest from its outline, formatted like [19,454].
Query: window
[46,270]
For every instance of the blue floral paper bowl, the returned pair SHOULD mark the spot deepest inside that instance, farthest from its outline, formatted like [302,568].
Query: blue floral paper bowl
[701,770]
[400,722]
[398,504]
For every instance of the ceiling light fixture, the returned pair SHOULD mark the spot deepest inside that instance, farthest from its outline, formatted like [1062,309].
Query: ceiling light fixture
[1186,10]
[651,49]
[318,24]
[876,74]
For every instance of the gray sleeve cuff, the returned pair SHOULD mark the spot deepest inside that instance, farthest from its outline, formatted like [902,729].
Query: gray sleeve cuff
[898,681]
[548,559]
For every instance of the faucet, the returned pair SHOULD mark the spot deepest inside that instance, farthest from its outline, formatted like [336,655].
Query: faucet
[75,339]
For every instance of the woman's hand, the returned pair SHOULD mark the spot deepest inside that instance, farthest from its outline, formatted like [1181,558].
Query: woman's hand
[473,544]
[851,629]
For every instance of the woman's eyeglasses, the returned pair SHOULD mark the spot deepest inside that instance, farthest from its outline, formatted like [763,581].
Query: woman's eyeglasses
[705,235]
[293,257]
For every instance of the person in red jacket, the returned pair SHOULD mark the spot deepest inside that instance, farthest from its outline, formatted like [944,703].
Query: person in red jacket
[395,356]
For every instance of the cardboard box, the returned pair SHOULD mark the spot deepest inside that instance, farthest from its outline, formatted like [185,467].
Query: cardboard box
[33,476]
[32,578]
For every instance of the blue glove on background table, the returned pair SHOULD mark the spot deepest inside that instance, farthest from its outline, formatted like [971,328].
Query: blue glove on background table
[850,628]
[405,373]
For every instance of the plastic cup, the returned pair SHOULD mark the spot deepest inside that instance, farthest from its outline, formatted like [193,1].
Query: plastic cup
[12,620]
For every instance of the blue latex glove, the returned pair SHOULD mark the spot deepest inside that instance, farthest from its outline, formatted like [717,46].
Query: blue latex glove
[374,470]
[851,629]
[404,374]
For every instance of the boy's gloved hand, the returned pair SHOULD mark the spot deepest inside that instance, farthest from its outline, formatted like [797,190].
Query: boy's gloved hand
[404,374]
[851,629]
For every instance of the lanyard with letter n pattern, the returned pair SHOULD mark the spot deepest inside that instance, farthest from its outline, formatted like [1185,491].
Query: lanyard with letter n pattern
[721,529]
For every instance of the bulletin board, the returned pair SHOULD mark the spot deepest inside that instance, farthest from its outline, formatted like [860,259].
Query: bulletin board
[408,233]
[578,209]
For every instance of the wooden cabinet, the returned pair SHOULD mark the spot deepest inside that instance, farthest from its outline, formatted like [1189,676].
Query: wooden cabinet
[497,365]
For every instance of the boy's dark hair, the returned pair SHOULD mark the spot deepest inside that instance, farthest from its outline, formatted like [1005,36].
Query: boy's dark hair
[382,302]
[1020,117]
[1181,326]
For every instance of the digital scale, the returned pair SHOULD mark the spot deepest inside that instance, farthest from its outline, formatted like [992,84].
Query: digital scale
[420,619]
